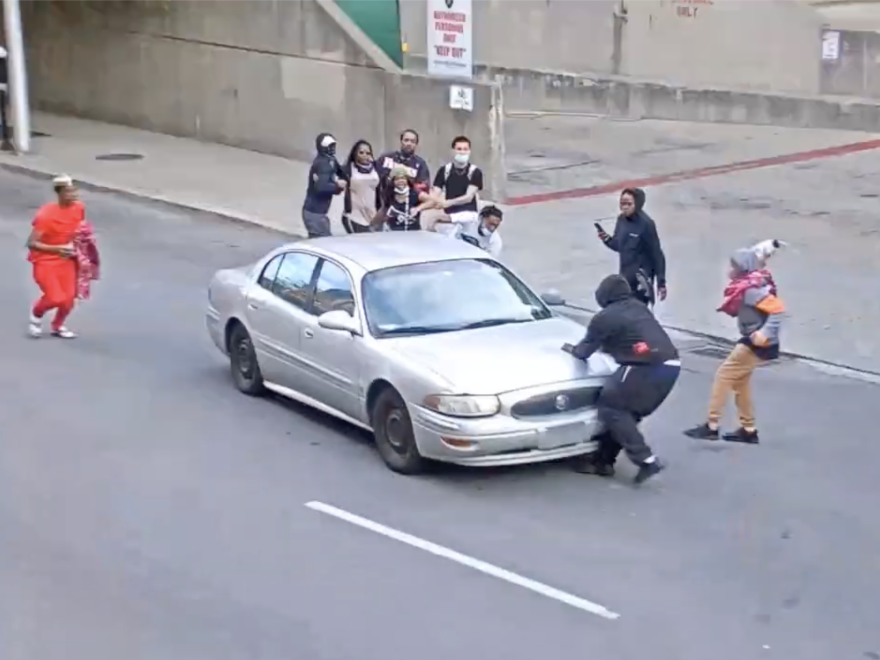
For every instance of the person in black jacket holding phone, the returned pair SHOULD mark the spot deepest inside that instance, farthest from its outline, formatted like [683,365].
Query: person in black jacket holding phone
[626,330]
[636,240]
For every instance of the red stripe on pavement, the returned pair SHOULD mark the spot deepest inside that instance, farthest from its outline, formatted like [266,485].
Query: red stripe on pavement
[700,173]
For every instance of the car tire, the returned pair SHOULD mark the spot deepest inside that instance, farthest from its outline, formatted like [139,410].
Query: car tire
[395,439]
[243,363]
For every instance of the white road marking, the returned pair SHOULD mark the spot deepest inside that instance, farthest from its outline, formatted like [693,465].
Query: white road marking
[465,560]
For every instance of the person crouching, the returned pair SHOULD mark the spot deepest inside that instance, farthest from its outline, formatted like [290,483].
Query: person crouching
[649,368]
[751,298]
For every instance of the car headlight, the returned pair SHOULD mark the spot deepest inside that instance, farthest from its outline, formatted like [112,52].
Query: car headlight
[463,405]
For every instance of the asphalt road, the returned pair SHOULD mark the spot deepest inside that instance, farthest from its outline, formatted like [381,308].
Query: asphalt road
[150,512]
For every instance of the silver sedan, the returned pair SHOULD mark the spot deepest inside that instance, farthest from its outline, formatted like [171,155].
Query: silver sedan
[429,343]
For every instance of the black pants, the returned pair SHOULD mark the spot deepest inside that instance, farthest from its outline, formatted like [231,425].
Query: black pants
[630,395]
[352,227]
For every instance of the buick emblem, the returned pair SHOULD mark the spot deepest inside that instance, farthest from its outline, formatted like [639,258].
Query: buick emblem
[561,402]
[449,4]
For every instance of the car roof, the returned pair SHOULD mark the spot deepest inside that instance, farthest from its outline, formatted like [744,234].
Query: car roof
[374,251]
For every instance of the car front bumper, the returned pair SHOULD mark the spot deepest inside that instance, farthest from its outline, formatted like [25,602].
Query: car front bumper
[215,329]
[502,440]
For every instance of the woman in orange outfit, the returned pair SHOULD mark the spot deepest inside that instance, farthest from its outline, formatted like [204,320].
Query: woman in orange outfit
[60,244]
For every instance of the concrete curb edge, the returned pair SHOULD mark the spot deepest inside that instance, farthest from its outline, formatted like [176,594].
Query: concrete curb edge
[144,197]
[827,366]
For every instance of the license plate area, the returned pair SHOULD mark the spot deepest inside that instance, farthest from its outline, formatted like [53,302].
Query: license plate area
[562,436]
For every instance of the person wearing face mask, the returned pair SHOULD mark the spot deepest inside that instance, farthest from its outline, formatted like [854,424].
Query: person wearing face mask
[486,235]
[362,193]
[326,179]
[403,204]
[636,240]
[405,156]
[455,188]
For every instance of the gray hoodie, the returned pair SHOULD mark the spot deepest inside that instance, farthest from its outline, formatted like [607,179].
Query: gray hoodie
[761,310]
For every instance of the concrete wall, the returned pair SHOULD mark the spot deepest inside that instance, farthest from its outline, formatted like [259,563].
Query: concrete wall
[756,44]
[258,74]
[562,35]
[856,71]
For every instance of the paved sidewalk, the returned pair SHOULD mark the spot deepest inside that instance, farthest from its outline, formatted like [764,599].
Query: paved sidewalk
[825,207]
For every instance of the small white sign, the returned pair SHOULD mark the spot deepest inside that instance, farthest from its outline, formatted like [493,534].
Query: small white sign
[830,45]
[461,98]
[450,38]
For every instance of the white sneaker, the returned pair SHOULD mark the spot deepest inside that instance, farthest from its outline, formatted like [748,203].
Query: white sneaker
[63,333]
[35,327]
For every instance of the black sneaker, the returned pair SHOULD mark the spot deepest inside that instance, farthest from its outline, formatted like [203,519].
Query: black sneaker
[702,432]
[587,465]
[648,470]
[742,436]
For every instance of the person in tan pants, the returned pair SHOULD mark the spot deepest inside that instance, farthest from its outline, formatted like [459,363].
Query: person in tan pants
[751,298]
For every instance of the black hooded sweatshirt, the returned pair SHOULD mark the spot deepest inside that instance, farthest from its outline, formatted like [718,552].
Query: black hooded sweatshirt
[625,328]
[322,179]
[636,240]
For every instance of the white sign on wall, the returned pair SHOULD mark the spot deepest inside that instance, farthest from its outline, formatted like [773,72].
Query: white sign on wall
[461,98]
[450,38]
[830,45]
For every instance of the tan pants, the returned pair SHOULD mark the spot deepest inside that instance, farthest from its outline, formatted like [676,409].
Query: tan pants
[735,373]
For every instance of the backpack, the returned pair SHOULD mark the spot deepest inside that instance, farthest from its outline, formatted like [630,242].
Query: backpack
[448,169]
[470,172]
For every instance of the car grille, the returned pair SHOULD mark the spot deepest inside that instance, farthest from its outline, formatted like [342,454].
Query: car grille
[555,403]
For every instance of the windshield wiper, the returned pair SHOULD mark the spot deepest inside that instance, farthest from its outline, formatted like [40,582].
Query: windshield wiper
[416,330]
[489,323]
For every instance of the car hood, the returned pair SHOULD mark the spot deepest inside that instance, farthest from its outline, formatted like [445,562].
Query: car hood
[504,358]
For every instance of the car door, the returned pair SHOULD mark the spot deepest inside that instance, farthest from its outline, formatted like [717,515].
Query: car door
[277,307]
[333,355]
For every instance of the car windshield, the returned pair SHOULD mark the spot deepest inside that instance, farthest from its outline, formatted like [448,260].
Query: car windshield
[445,296]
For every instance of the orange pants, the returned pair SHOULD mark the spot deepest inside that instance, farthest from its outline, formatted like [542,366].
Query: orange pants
[57,281]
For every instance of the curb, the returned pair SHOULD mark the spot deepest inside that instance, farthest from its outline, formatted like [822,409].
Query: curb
[827,366]
[138,196]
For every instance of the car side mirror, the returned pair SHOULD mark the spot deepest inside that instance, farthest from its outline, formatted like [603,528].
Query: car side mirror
[339,320]
[553,298]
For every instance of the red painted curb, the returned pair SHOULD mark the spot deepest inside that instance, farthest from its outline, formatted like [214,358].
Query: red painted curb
[699,173]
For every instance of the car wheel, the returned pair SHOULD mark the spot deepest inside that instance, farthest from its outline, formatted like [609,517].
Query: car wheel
[243,363]
[395,439]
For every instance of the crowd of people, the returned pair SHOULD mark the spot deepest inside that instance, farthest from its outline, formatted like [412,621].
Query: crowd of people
[392,191]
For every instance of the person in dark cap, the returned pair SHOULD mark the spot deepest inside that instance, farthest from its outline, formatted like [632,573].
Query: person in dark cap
[326,179]
[649,367]
[636,240]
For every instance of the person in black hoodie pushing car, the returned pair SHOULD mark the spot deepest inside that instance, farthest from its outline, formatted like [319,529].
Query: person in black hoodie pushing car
[649,367]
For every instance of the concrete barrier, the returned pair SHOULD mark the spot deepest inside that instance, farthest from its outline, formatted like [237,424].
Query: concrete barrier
[238,74]
[544,91]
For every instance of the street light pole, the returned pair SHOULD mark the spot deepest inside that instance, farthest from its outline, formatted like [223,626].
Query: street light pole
[18,86]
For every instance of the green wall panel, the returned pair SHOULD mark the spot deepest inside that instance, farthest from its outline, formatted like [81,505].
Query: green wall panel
[380,20]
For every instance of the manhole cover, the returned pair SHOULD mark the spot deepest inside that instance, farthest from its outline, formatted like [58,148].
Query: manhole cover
[119,157]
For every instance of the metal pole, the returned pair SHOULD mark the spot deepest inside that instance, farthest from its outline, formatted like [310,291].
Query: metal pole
[18,85]
[5,143]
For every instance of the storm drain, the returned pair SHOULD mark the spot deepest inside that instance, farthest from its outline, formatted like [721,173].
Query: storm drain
[119,157]
[717,352]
